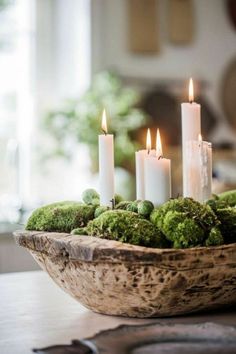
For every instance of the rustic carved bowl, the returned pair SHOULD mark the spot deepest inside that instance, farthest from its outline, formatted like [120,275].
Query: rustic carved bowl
[115,278]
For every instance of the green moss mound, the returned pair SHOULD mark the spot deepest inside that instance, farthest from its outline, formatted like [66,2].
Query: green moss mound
[91,197]
[99,210]
[126,226]
[145,207]
[187,223]
[60,217]
[227,217]
[228,197]
[223,200]
[123,205]
[133,206]
[79,231]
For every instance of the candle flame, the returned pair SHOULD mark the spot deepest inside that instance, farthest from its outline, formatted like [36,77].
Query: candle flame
[199,137]
[158,144]
[104,121]
[148,141]
[191,91]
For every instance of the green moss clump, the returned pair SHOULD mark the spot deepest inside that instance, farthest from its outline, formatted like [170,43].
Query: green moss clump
[118,199]
[186,223]
[145,207]
[133,206]
[60,217]
[79,231]
[126,226]
[227,217]
[90,197]
[228,197]
[224,206]
[215,237]
[101,209]
[123,205]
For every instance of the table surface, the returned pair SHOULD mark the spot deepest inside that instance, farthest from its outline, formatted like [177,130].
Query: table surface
[34,312]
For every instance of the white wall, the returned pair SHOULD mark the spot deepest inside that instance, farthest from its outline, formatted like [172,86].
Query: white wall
[213,48]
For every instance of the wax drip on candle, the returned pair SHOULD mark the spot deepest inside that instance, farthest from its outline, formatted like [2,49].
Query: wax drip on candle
[158,146]
[191,91]
[148,141]
[199,139]
[104,122]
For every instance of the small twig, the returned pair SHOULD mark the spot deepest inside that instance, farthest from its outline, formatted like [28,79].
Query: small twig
[112,203]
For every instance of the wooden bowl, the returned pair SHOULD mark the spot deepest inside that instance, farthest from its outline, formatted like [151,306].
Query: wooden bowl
[115,278]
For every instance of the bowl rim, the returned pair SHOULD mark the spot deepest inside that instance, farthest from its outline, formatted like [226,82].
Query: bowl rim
[93,249]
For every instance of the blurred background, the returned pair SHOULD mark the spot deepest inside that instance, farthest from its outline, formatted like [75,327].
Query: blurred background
[62,62]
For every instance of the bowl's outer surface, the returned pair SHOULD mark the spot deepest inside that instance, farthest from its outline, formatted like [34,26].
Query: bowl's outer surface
[114,278]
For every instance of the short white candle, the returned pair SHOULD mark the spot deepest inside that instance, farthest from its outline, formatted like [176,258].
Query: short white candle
[139,165]
[157,174]
[199,169]
[106,165]
[191,128]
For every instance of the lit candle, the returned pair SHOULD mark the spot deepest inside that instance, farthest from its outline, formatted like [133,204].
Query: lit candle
[191,128]
[139,164]
[157,176]
[198,169]
[106,165]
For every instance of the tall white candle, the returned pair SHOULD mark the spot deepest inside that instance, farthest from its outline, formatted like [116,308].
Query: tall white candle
[157,172]
[199,169]
[139,165]
[106,165]
[191,128]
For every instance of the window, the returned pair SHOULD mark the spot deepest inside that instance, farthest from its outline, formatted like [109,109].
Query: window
[44,58]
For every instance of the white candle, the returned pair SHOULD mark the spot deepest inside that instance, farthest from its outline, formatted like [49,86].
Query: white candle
[139,165]
[191,128]
[199,169]
[157,176]
[106,165]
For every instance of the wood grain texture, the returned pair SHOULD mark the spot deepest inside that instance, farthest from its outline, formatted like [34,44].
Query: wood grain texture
[143,26]
[113,278]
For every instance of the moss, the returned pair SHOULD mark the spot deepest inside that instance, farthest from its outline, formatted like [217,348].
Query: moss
[145,207]
[185,222]
[60,217]
[224,206]
[79,231]
[228,197]
[90,197]
[123,205]
[133,206]
[126,226]
[227,216]
[215,237]
[118,199]
[101,209]
[182,231]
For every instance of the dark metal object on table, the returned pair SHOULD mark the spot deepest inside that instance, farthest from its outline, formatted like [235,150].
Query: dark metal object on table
[153,338]
[76,347]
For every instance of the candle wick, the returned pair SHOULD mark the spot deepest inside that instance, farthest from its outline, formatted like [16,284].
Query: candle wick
[104,132]
[191,101]
[148,151]
[112,203]
[160,157]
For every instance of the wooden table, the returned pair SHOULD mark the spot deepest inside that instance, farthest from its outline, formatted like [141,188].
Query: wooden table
[34,312]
